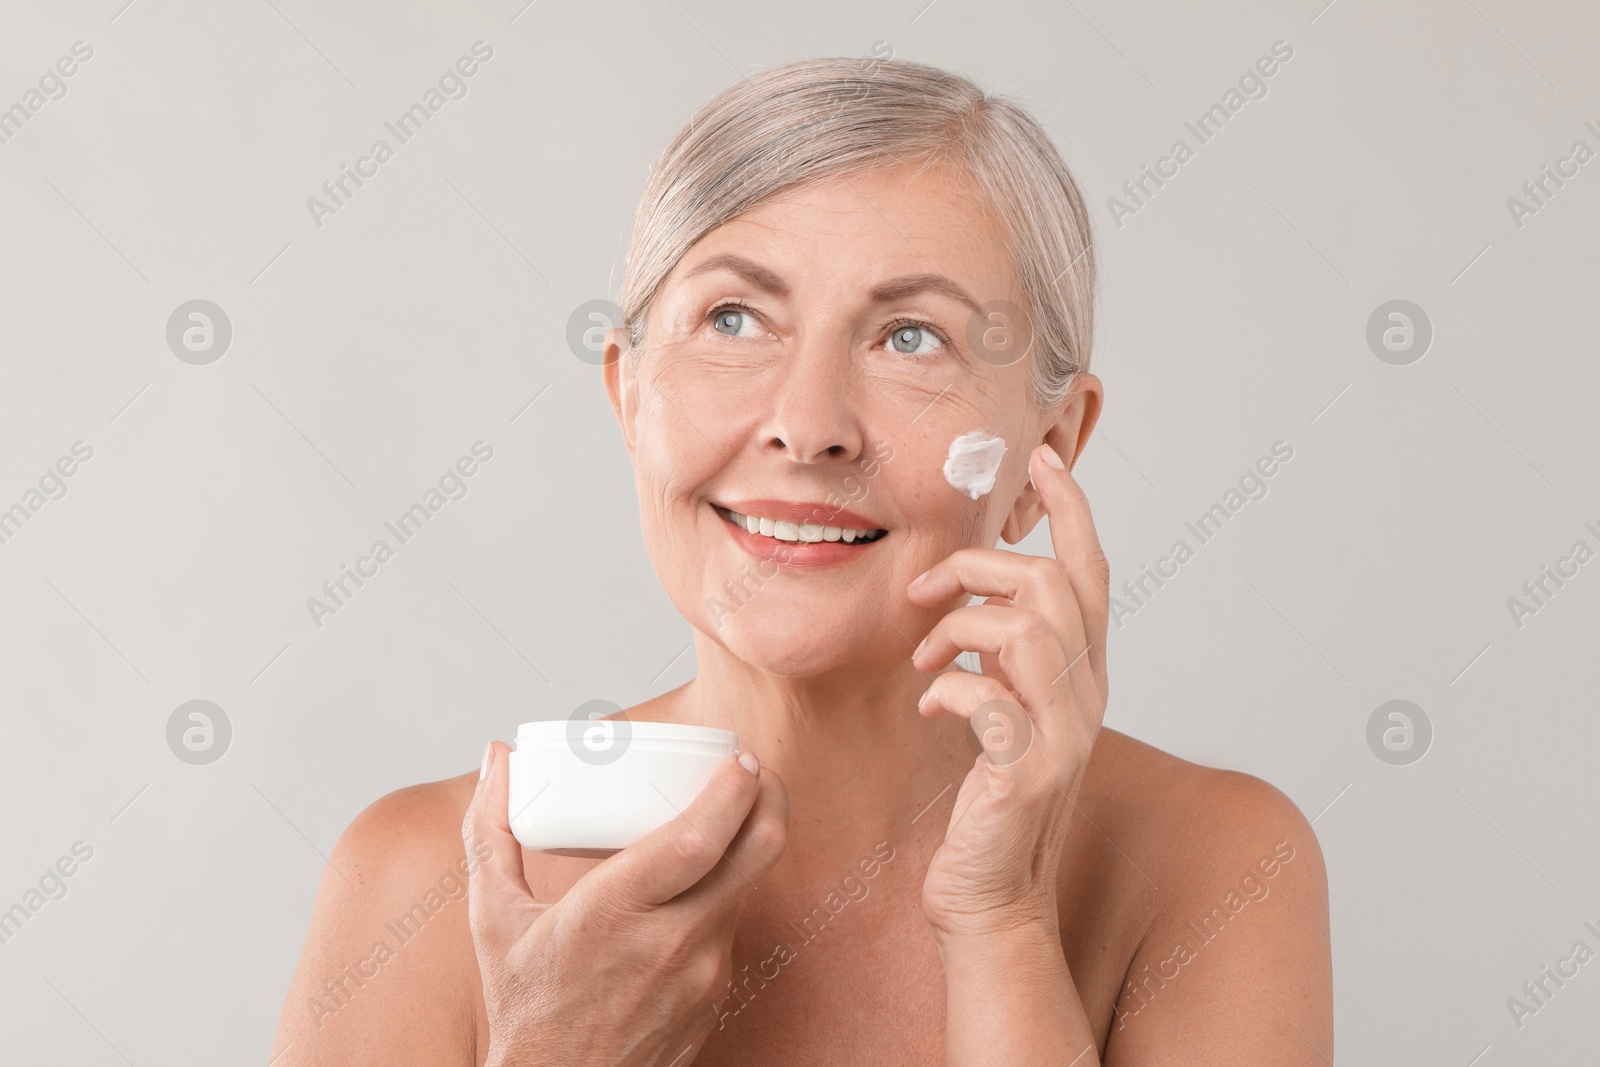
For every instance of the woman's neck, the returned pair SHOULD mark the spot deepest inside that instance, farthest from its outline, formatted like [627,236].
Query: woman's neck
[859,763]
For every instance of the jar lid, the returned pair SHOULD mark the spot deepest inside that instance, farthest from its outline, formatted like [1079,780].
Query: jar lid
[557,730]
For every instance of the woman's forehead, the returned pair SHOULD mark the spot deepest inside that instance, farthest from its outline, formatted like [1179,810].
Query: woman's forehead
[877,225]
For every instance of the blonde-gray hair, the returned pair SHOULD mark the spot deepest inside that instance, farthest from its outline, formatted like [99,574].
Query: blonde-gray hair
[818,119]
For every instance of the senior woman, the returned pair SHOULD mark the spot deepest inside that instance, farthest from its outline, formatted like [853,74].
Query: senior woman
[838,269]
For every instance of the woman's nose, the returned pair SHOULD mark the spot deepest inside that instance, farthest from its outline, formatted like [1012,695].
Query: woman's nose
[816,409]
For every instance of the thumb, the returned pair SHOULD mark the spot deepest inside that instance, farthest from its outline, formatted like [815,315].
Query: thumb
[500,904]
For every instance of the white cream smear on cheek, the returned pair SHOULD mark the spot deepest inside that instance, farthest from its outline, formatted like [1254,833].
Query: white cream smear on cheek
[973,460]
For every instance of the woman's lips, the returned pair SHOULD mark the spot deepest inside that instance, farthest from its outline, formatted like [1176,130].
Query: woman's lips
[796,553]
[790,511]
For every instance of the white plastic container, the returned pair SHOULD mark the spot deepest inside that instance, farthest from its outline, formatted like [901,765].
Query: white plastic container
[593,787]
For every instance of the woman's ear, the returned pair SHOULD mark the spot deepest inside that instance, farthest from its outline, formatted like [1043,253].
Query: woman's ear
[621,385]
[1068,433]
[1078,417]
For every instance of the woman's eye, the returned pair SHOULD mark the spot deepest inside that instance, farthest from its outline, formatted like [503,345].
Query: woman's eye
[728,320]
[909,340]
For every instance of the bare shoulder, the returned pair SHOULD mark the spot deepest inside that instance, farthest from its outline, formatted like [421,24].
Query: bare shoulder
[413,821]
[387,970]
[1235,964]
[1210,813]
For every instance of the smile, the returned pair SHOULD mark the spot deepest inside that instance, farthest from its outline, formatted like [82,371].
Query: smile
[796,536]
[800,532]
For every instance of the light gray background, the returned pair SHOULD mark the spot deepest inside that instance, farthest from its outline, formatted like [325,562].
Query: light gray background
[432,310]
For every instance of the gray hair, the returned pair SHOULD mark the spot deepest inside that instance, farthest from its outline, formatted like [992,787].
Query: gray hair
[818,119]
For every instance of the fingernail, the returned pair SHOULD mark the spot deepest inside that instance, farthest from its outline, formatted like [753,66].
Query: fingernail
[748,761]
[918,652]
[1053,458]
[922,701]
[488,754]
[917,580]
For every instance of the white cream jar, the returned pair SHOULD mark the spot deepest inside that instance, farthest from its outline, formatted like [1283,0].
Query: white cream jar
[590,787]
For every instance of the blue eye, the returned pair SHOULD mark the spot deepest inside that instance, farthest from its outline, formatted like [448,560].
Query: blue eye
[727,319]
[908,338]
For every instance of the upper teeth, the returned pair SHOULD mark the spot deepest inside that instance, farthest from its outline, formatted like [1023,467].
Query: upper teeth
[801,531]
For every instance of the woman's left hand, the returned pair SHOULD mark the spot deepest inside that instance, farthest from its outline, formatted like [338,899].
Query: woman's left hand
[1036,708]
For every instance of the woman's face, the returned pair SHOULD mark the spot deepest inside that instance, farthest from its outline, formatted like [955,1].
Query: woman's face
[813,355]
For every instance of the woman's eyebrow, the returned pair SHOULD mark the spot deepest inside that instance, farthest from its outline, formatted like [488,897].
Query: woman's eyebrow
[761,277]
[911,284]
[884,293]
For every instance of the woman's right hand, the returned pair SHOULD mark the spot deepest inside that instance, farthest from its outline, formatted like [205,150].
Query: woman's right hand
[629,965]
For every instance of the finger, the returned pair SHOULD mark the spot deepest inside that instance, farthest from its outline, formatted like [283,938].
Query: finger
[998,720]
[989,665]
[1077,546]
[755,849]
[497,890]
[959,692]
[1026,645]
[675,856]
[1036,582]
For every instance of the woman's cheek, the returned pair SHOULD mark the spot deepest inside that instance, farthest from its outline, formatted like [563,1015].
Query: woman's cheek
[715,396]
